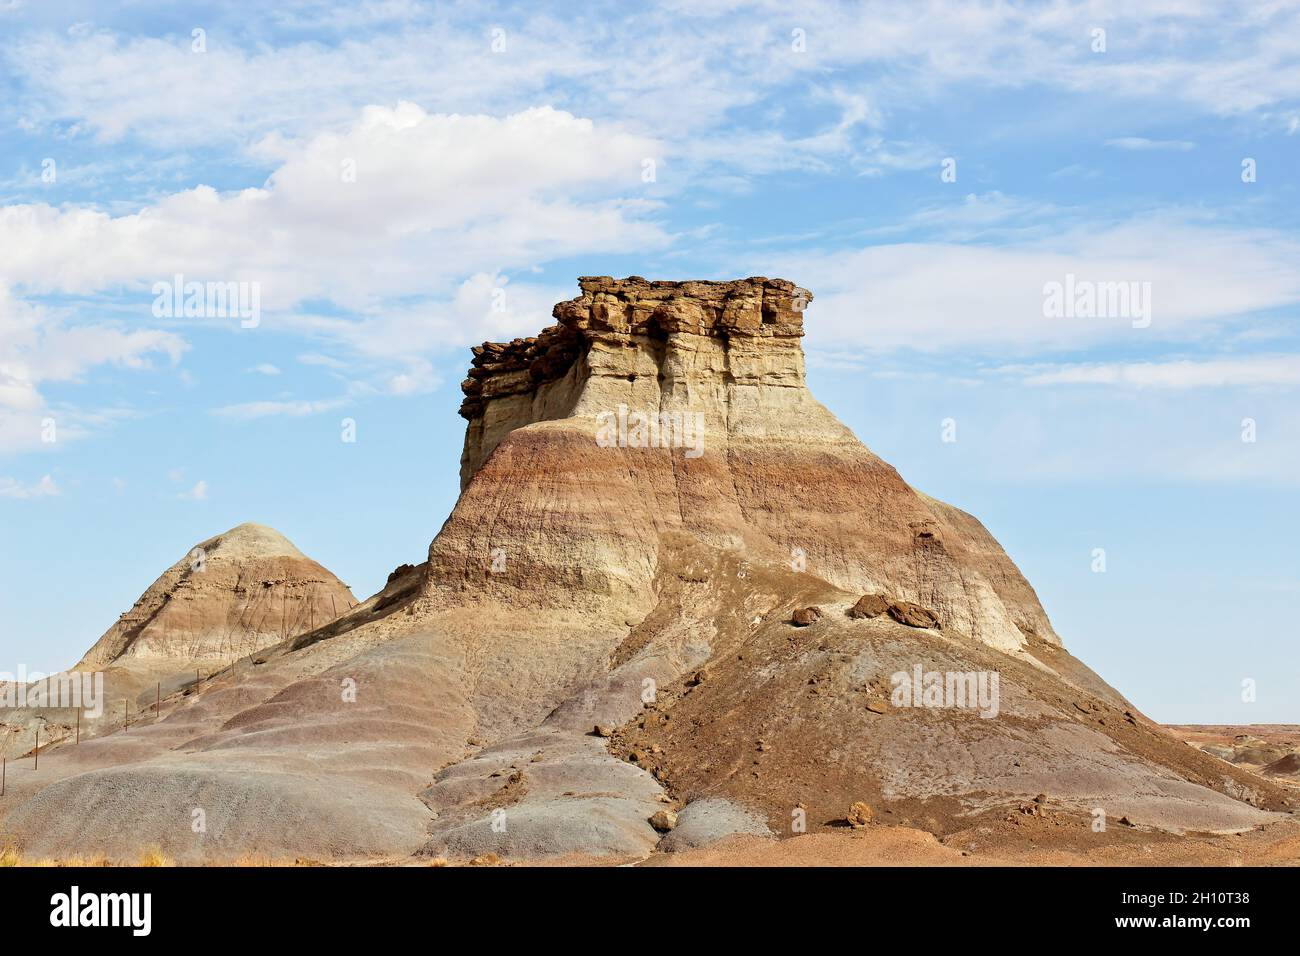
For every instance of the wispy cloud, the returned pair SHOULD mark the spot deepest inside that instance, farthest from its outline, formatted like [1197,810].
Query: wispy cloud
[44,488]
[934,295]
[249,411]
[198,493]
[1142,144]
[40,345]
[1252,371]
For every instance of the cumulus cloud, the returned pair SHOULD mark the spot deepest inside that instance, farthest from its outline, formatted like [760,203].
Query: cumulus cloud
[397,204]
[382,221]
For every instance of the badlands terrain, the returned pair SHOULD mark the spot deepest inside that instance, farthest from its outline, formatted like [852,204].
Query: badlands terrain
[1272,750]
[668,645]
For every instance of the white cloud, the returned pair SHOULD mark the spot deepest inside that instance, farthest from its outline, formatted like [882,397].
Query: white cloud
[1206,56]
[198,493]
[1255,370]
[158,87]
[1075,171]
[435,198]
[935,295]
[266,368]
[40,346]
[45,488]
[248,411]
[1141,143]
[324,361]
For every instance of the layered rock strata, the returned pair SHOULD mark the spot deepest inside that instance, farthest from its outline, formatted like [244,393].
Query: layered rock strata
[661,407]
[229,596]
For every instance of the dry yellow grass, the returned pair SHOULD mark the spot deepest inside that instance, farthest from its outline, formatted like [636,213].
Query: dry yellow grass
[259,859]
[11,857]
[154,858]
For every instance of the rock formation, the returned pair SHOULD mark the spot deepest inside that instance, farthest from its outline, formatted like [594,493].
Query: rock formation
[616,626]
[229,596]
[702,386]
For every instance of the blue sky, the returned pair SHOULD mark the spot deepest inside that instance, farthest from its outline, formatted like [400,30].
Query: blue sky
[389,177]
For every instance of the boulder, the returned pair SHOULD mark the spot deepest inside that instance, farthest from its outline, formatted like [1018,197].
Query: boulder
[860,815]
[869,605]
[904,612]
[664,820]
[805,616]
[913,615]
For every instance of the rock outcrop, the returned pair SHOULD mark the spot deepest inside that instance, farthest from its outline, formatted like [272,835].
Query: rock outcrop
[229,596]
[655,408]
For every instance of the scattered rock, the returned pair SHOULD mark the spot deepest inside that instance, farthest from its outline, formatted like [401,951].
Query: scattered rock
[913,615]
[869,605]
[877,706]
[664,820]
[710,819]
[860,815]
[806,615]
[602,730]
[904,612]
